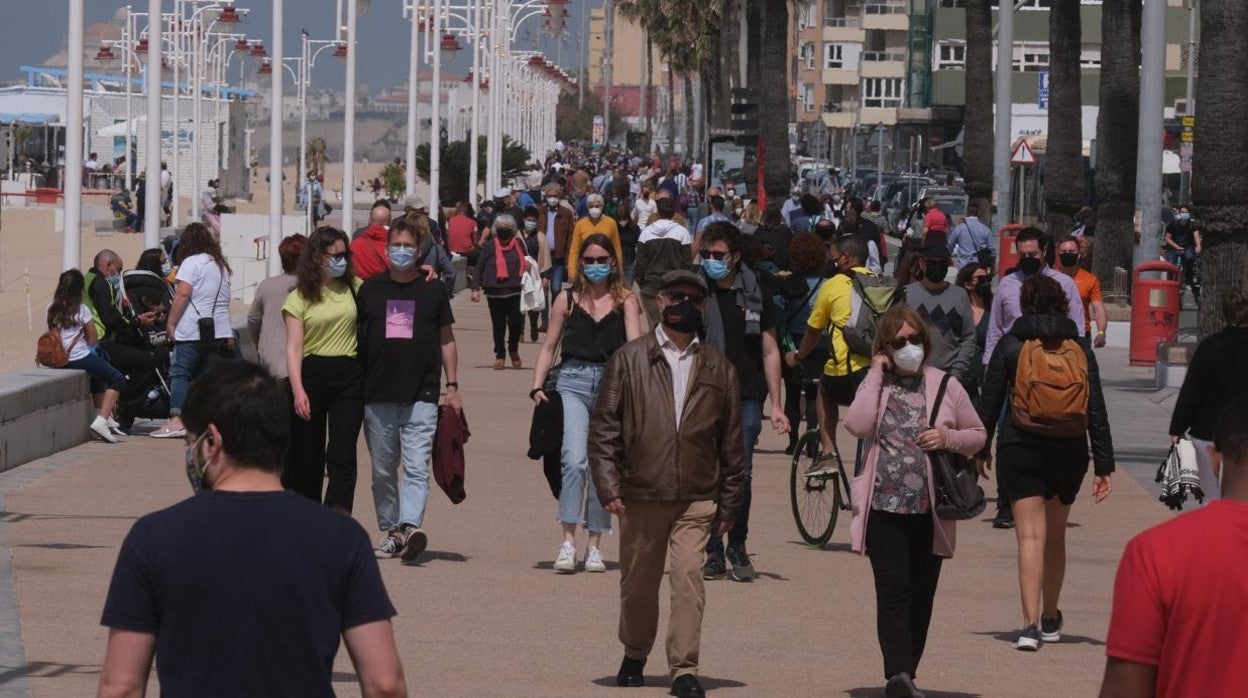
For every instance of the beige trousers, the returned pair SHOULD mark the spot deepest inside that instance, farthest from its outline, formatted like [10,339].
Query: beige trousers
[652,534]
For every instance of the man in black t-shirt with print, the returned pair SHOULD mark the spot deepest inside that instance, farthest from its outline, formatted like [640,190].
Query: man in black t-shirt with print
[405,341]
[741,322]
[245,589]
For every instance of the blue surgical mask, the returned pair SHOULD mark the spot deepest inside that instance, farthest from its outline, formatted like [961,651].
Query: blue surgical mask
[1184,216]
[114,279]
[715,269]
[597,272]
[401,258]
[336,267]
[166,268]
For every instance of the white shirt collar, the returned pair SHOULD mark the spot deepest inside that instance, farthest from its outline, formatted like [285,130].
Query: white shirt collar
[666,342]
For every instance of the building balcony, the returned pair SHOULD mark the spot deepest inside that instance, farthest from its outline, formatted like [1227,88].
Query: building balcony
[840,114]
[877,115]
[883,64]
[844,30]
[839,76]
[888,15]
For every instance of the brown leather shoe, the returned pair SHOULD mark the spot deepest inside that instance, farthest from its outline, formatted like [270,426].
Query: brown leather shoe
[516,362]
[499,364]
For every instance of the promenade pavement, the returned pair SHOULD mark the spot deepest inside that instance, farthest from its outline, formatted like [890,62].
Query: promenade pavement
[483,614]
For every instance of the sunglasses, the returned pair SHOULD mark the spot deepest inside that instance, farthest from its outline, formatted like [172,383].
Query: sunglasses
[681,297]
[898,342]
[713,254]
[340,256]
[596,260]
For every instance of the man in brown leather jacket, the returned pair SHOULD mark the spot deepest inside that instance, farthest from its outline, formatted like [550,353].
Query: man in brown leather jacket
[667,454]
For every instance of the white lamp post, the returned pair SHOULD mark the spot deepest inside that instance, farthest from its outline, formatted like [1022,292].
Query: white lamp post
[275,144]
[72,234]
[348,135]
[151,204]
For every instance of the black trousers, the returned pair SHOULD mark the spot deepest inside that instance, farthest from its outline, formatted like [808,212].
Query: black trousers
[508,323]
[797,392]
[906,573]
[335,388]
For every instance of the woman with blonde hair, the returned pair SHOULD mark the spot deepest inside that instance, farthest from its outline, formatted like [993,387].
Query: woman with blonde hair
[592,319]
[905,409]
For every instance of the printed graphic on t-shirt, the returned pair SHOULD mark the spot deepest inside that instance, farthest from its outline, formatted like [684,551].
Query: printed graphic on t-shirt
[400,319]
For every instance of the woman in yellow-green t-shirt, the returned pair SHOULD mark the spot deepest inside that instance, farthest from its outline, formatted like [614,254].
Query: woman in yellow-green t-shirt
[326,377]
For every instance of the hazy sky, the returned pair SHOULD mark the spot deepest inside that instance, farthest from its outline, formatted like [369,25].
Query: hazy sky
[39,30]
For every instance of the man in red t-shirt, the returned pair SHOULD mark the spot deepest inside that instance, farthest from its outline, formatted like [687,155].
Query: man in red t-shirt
[1180,600]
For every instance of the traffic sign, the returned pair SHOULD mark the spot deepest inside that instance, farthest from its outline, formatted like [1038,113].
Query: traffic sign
[1042,89]
[1022,154]
[1189,121]
[1187,136]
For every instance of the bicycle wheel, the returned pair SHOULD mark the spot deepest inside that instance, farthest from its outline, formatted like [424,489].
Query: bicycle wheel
[816,499]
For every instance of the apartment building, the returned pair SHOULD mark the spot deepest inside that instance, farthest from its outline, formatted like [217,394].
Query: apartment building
[860,64]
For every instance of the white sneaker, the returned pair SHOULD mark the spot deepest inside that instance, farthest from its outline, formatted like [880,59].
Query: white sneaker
[114,427]
[566,561]
[100,427]
[593,561]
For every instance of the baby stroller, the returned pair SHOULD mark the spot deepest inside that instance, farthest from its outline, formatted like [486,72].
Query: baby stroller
[146,395]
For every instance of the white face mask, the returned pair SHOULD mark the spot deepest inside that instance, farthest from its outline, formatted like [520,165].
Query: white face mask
[909,358]
[552,201]
[595,212]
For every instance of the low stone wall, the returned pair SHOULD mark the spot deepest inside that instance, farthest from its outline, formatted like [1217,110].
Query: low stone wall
[42,411]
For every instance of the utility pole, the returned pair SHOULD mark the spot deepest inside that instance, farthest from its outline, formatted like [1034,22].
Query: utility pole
[72,234]
[1185,177]
[151,204]
[608,50]
[1148,152]
[348,126]
[1001,171]
[275,143]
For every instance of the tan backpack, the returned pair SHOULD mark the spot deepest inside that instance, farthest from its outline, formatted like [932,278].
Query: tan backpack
[50,352]
[1051,389]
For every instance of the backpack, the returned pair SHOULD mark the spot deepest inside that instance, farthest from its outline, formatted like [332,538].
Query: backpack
[872,297]
[50,352]
[1051,389]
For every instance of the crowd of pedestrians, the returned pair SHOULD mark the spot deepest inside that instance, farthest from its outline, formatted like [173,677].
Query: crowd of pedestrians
[679,316]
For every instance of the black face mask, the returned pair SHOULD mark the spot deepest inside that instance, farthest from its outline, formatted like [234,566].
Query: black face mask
[936,271]
[1069,259]
[984,287]
[1030,265]
[682,317]
[505,233]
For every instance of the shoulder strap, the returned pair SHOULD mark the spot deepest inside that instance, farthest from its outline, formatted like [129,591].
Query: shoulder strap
[940,397]
[74,342]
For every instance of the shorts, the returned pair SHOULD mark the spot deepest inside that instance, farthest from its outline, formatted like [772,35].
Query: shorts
[1041,470]
[842,389]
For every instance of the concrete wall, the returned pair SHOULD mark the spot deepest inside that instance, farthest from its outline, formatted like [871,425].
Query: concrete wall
[42,411]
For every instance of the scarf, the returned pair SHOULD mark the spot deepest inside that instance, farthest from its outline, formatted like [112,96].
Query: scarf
[500,260]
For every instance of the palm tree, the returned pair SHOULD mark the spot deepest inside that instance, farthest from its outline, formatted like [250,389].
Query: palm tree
[977,131]
[1219,169]
[773,111]
[1117,133]
[1063,155]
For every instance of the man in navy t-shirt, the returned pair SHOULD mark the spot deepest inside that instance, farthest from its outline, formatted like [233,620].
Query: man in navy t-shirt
[244,589]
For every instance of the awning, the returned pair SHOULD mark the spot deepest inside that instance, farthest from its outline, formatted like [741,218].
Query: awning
[29,118]
[119,128]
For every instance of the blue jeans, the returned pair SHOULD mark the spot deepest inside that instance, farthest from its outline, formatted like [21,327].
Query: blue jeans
[558,274]
[189,360]
[400,433]
[752,426]
[102,374]
[578,501]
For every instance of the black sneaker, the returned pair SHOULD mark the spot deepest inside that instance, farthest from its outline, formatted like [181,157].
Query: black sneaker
[1028,639]
[631,673]
[714,568]
[1051,628]
[901,685]
[742,570]
[1004,519]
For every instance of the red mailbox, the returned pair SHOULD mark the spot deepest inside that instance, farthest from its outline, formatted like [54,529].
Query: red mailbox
[1007,258]
[1154,310]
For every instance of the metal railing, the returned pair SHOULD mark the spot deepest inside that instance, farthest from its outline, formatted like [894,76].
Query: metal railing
[850,22]
[883,56]
[840,107]
[886,7]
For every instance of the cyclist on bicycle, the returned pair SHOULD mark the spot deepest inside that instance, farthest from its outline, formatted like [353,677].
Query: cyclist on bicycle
[809,259]
[844,369]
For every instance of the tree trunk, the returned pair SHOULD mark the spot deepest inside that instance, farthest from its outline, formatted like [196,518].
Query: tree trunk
[1063,155]
[671,109]
[648,94]
[774,108]
[688,110]
[726,65]
[977,133]
[1117,134]
[753,40]
[1220,170]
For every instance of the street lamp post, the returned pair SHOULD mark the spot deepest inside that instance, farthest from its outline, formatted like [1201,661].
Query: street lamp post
[348,135]
[275,144]
[151,202]
[72,234]
[413,96]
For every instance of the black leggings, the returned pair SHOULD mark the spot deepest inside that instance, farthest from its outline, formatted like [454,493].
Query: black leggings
[335,388]
[508,322]
[796,392]
[906,573]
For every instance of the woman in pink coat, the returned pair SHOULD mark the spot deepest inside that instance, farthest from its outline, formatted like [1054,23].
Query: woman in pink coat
[894,512]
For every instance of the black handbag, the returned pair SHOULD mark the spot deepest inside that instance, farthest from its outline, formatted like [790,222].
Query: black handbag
[958,494]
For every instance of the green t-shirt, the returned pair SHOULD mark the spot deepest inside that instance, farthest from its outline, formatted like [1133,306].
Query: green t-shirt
[329,325]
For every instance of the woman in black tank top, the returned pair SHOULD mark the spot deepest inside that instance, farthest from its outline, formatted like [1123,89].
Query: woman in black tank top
[593,319]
